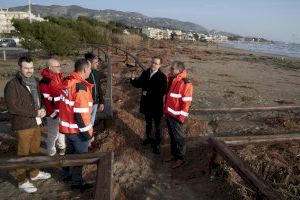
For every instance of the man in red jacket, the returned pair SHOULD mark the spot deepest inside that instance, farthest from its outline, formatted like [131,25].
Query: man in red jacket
[178,101]
[49,86]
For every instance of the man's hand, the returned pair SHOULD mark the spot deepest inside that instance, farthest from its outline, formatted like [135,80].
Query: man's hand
[101,107]
[41,113]
[133,75]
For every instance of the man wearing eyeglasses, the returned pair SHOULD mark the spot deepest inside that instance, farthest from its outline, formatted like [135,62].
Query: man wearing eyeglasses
[50,89]
[153,83]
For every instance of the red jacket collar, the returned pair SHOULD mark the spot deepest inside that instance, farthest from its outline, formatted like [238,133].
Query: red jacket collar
[179,76]
[47,74]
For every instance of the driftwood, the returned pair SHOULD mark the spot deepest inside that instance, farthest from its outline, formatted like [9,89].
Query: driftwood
[251,178]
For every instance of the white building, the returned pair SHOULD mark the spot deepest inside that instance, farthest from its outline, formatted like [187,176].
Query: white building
[6,17]
[189,36]
[153,33]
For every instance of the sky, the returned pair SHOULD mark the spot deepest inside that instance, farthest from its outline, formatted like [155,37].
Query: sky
[277,20]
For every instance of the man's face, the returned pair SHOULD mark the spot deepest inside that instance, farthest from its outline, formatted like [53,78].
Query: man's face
[155,64]
[55,68]
[27,69]
[174,70]
[95,63]
[87,70]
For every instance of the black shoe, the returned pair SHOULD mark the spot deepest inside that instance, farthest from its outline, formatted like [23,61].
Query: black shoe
[82,187]
[170,159]
[67,178]
[178,163]
[147,141]
[156,149]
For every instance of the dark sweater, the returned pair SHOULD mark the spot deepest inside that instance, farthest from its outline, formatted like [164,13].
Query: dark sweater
[153,91]
[97,93]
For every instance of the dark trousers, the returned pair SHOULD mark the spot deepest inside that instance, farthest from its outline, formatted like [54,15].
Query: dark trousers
[157,122]
[75,145]
[177,138]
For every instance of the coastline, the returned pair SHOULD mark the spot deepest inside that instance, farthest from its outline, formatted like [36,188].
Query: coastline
[261,51]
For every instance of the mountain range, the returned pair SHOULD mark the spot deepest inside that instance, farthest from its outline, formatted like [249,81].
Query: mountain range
[132,19]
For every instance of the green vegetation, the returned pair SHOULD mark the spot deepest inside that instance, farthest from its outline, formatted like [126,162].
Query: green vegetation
[64,37]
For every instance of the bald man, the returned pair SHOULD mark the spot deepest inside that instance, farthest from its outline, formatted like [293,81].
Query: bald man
[49,86]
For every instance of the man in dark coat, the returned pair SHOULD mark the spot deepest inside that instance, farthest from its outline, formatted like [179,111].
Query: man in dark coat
[23,100]
[153,83]
[97,93]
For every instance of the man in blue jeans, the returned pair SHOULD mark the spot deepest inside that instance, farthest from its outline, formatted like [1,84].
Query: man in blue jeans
[97,93]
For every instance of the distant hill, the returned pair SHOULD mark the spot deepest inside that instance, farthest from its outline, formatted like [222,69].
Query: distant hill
[218,32]
[132,19]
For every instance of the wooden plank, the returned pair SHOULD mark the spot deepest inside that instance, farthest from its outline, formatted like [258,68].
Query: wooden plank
[240,110]
[250,177]
[240,140]
[48,161]
[105,178]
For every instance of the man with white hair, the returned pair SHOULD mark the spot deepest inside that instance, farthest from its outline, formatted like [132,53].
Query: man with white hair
[178,101]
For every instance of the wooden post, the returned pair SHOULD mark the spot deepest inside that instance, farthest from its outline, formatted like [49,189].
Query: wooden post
[4,55]
[105,178]
[126,59]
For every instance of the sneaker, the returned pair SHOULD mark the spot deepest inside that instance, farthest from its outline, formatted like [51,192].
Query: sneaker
[28,187]
[61,151]
[41,176]
[51,152]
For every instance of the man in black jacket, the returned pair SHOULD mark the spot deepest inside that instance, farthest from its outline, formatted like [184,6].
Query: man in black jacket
[153,83]
[97,93]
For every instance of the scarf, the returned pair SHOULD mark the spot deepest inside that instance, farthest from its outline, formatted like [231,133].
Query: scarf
[32,84]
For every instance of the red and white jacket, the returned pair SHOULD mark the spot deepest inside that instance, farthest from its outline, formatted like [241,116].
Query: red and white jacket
[179,97]
[49,86]
[76,106]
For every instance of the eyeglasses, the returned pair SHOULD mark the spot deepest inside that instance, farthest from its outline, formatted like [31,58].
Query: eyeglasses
[154,63]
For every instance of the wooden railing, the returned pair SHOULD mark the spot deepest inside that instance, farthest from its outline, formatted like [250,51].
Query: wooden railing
[104,161]
[128,55]
[262,189]
[241,110]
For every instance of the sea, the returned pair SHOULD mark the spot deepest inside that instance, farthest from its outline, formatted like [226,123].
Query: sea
[278,48]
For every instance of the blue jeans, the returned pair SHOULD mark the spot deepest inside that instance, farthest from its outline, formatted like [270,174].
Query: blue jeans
[93,115]
[75,145]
